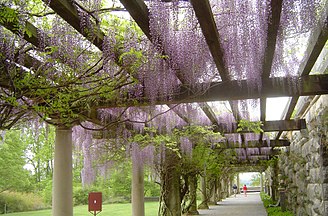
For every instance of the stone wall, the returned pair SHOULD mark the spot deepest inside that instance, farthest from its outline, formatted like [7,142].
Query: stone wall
[303,167]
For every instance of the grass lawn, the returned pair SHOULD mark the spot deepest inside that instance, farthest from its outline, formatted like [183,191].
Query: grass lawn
[151,209]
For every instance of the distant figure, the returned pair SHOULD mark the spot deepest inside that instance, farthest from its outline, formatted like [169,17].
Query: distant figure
[245,190]
[234,187]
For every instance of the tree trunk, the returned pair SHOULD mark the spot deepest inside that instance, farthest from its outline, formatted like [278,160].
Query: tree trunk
[213,187]
[193,196]
[170,200]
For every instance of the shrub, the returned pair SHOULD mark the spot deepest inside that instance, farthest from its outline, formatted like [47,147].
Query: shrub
[81,194]
[17,202]
[152,189]
[46,191]
[273,211]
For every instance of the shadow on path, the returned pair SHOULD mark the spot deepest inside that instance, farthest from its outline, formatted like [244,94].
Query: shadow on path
[251,205]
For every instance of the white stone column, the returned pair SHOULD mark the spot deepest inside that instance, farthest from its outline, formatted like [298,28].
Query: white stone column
[261,181]
[62,196]
[238,182]
[138,205]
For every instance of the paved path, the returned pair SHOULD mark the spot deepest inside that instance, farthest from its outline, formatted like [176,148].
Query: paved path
[239,206]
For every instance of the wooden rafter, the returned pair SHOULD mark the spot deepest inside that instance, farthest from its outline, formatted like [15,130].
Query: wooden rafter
[140,13]
[273,25]
[69,13]
[181,115]
[256,144]
[207,23]
[221,91]
[205,18]
[268,126]
[317,42]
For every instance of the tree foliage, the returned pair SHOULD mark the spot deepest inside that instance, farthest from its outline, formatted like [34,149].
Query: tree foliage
[12,160]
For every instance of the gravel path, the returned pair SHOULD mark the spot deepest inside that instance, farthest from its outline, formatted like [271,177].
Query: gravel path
[238,206]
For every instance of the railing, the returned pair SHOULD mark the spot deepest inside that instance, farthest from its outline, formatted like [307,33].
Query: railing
[251,189]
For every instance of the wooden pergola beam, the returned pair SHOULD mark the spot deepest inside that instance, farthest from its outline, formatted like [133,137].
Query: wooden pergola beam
[268,126]
[238,90]
[66,10]
[140,13]
[179,114]
[209,113]
[207,23]
[206,20]
[256,144]
[32,37]
[273,26]
[317,42]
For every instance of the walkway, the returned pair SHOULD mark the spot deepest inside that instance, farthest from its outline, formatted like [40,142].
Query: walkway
[240,206]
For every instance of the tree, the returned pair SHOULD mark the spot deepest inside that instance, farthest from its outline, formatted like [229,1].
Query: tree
[39,140]
[13,176]
[255,179]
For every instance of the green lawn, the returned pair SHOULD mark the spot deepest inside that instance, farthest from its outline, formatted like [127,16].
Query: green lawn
[151,209]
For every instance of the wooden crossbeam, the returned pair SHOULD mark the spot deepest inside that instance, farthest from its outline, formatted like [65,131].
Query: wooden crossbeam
[66,10]
[273,26]
[207,23]
[317,42]
[140,13]
[181,115]
[11,25]
[206,20]
[238,90]
[268,126]
[256,144]
[209,113]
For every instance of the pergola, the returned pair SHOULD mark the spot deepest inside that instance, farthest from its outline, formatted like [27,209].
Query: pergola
[302,88]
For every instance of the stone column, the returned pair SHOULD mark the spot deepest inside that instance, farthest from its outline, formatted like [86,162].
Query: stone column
[193,195]
[138,205]
[261,181]
[238,182]
[229,187]
[226,183]
[203,204]
[275,182]
[223,189]
[62,196]
[213,197]
[282,195]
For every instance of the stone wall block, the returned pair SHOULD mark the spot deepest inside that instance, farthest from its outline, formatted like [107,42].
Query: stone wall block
[324,156]
[315,175]
[314,191]
[315,160]
[302,141]
[325,175]
[325,203]
[297,167]
[300,211]
[315,145]
[306,165]
[325,192]
[306,150]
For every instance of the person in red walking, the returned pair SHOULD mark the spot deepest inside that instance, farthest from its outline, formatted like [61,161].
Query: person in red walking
[245,190]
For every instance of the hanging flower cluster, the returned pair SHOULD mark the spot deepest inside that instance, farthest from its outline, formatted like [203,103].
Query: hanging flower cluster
[175,32]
